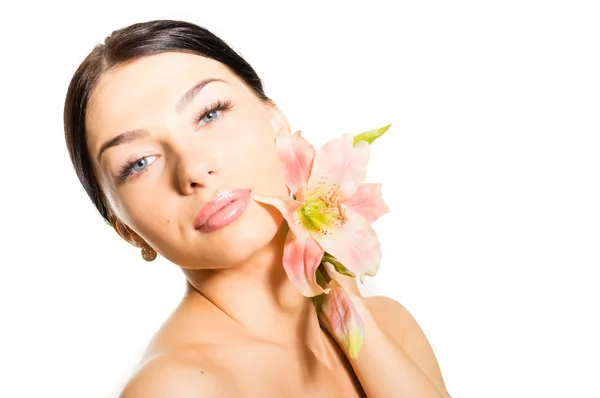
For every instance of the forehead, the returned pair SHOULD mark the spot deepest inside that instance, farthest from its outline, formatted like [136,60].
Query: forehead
[126,96]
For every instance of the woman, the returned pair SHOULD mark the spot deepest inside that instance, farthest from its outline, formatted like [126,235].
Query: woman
[165,124]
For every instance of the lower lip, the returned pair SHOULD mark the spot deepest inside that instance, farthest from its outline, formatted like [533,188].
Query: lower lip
[226,215]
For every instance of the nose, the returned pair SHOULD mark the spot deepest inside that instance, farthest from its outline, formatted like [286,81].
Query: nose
[195,169]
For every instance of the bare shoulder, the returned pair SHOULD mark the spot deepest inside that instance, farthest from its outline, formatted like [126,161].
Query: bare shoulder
[392,317]
[399,324]
[174,376]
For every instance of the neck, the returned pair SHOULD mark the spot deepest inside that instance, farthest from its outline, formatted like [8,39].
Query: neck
[259,297]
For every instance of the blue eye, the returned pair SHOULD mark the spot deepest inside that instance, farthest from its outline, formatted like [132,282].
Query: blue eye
[213,116]
[134,167]
[213,111]
[141,163]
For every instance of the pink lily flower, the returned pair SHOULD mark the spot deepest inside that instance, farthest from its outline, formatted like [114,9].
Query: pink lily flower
[331,209]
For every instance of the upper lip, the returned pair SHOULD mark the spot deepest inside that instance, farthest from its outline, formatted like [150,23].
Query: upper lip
[220,200]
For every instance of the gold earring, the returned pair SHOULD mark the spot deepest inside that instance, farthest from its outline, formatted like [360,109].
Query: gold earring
[148,253]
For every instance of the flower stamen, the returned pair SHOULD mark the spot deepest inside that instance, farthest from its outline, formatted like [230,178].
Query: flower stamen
[326,201]
[333,207]
[343,216]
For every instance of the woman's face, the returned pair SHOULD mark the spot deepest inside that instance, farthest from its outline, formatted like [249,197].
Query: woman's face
[183,157]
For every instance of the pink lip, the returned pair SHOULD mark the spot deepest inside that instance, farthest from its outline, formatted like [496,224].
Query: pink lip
[224,209]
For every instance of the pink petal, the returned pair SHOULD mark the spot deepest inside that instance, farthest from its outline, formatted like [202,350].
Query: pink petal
[301,258]
[340,166]
[367,202]
[286,206]
[296,155]
[344,320]
[301,253]
[354,244]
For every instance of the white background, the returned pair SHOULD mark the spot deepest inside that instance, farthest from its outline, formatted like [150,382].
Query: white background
[491,170]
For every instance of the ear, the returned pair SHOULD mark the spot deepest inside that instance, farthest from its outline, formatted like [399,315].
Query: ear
[125,232]
[279,122]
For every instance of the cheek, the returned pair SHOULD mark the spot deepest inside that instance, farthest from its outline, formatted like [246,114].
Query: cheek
[256,161]
[266,169]
[149,213]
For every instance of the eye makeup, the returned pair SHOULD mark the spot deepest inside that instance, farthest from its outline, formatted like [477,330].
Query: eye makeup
[219,105]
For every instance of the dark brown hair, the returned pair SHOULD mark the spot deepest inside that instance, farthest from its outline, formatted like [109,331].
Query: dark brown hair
[126,45]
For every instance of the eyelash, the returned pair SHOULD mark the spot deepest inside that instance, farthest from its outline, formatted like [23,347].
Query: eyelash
[127,167]
[214,107]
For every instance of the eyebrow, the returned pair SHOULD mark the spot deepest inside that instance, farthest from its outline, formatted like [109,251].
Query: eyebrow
[132,135]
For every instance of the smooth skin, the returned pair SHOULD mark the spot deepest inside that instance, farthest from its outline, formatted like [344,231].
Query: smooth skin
[242,329]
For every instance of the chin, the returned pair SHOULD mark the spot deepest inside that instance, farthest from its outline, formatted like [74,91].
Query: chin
[250,234]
